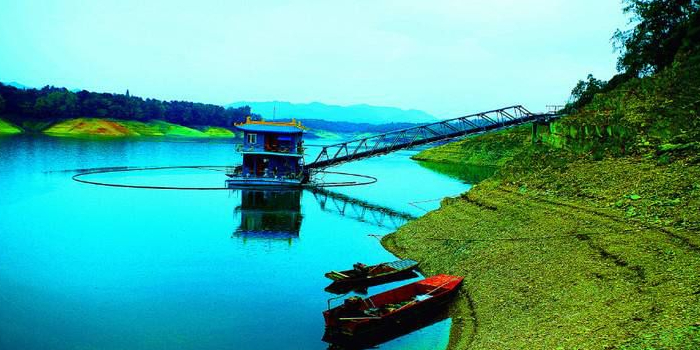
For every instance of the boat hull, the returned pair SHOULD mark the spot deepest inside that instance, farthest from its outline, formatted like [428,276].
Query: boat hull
[347,285]
[441,289]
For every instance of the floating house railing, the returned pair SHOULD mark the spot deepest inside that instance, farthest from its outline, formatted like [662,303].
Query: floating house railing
[267,148]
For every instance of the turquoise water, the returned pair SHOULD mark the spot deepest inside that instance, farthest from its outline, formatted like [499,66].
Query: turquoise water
[90,267]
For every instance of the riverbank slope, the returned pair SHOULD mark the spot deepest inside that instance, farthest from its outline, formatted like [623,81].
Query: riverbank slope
[110,128]
[8,128]
[586,238]
[119,128]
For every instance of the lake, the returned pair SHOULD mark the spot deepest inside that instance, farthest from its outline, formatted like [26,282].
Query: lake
[93,267]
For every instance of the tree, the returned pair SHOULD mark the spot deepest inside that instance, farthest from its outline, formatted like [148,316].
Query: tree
[153,109]
[583,92]
[691,42]
[95,105]
[60,103]
[653,43]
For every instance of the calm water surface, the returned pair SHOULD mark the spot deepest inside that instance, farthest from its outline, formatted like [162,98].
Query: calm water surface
[90,267]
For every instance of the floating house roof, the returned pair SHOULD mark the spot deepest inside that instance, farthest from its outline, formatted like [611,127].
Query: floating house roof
[250,125]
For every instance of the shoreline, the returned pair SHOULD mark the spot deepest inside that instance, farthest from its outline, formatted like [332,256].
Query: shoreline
[107,128]
[103,128]
[574,256]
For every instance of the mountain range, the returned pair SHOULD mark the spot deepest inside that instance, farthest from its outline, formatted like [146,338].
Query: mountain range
[17,85]
[360,113]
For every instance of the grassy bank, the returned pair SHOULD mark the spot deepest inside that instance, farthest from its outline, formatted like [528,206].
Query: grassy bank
[82,127]
[487,150]
[8,129]
[588,238]
[99,127]
[615,262]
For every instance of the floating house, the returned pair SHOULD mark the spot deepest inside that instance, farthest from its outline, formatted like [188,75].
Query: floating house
[272,155]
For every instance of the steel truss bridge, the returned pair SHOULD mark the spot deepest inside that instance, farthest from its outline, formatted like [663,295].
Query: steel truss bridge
[381,144]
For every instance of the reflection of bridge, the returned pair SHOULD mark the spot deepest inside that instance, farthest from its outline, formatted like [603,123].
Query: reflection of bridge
[276,214]
[360,210]
[406,138]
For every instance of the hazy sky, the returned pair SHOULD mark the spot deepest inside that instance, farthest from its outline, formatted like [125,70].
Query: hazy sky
[445,57]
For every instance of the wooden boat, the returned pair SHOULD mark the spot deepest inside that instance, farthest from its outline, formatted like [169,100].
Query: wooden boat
[362,275]
[387,310]
[363,287]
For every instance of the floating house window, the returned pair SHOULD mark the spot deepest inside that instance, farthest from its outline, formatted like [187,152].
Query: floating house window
[252,138]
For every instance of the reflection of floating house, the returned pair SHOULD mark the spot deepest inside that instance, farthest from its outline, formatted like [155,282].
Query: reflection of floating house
[269,214]
[272,154]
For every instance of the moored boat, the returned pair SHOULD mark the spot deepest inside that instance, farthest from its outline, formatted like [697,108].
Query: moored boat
[362,317]
[362,275]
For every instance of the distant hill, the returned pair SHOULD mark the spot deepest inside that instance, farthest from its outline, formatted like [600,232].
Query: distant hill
[18,85]
[361,113]
[25,87]
[53,104]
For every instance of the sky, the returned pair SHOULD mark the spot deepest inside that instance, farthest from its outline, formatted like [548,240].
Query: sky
[445,57]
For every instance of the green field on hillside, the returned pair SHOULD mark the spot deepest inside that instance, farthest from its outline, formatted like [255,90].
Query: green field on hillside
[82,127]
[7,128]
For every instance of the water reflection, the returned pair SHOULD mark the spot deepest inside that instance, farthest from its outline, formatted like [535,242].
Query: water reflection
[111,286]
[269,214]
[276,214]
[341,288]
[386,334]
[360,210]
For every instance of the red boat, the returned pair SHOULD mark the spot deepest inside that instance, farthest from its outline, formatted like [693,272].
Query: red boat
[359,317]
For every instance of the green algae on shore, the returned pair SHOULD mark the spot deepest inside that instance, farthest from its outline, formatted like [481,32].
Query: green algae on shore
[7,128]
[82,127]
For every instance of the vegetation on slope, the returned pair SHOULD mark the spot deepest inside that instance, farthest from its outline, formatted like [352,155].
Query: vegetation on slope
[58,110]
[588,238]
[81,127]
[54,104]
[561,250]
[214,131]
[491,149]
[89,126]
[8,128]
[547,272]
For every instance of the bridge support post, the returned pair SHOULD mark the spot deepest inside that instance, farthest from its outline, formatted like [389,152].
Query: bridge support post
[536,124]
[306,176]
[534,136]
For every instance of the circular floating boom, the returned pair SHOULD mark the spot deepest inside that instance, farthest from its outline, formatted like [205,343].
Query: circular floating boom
[83,177]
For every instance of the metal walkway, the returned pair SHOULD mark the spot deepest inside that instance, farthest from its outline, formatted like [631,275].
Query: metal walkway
[406,138]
